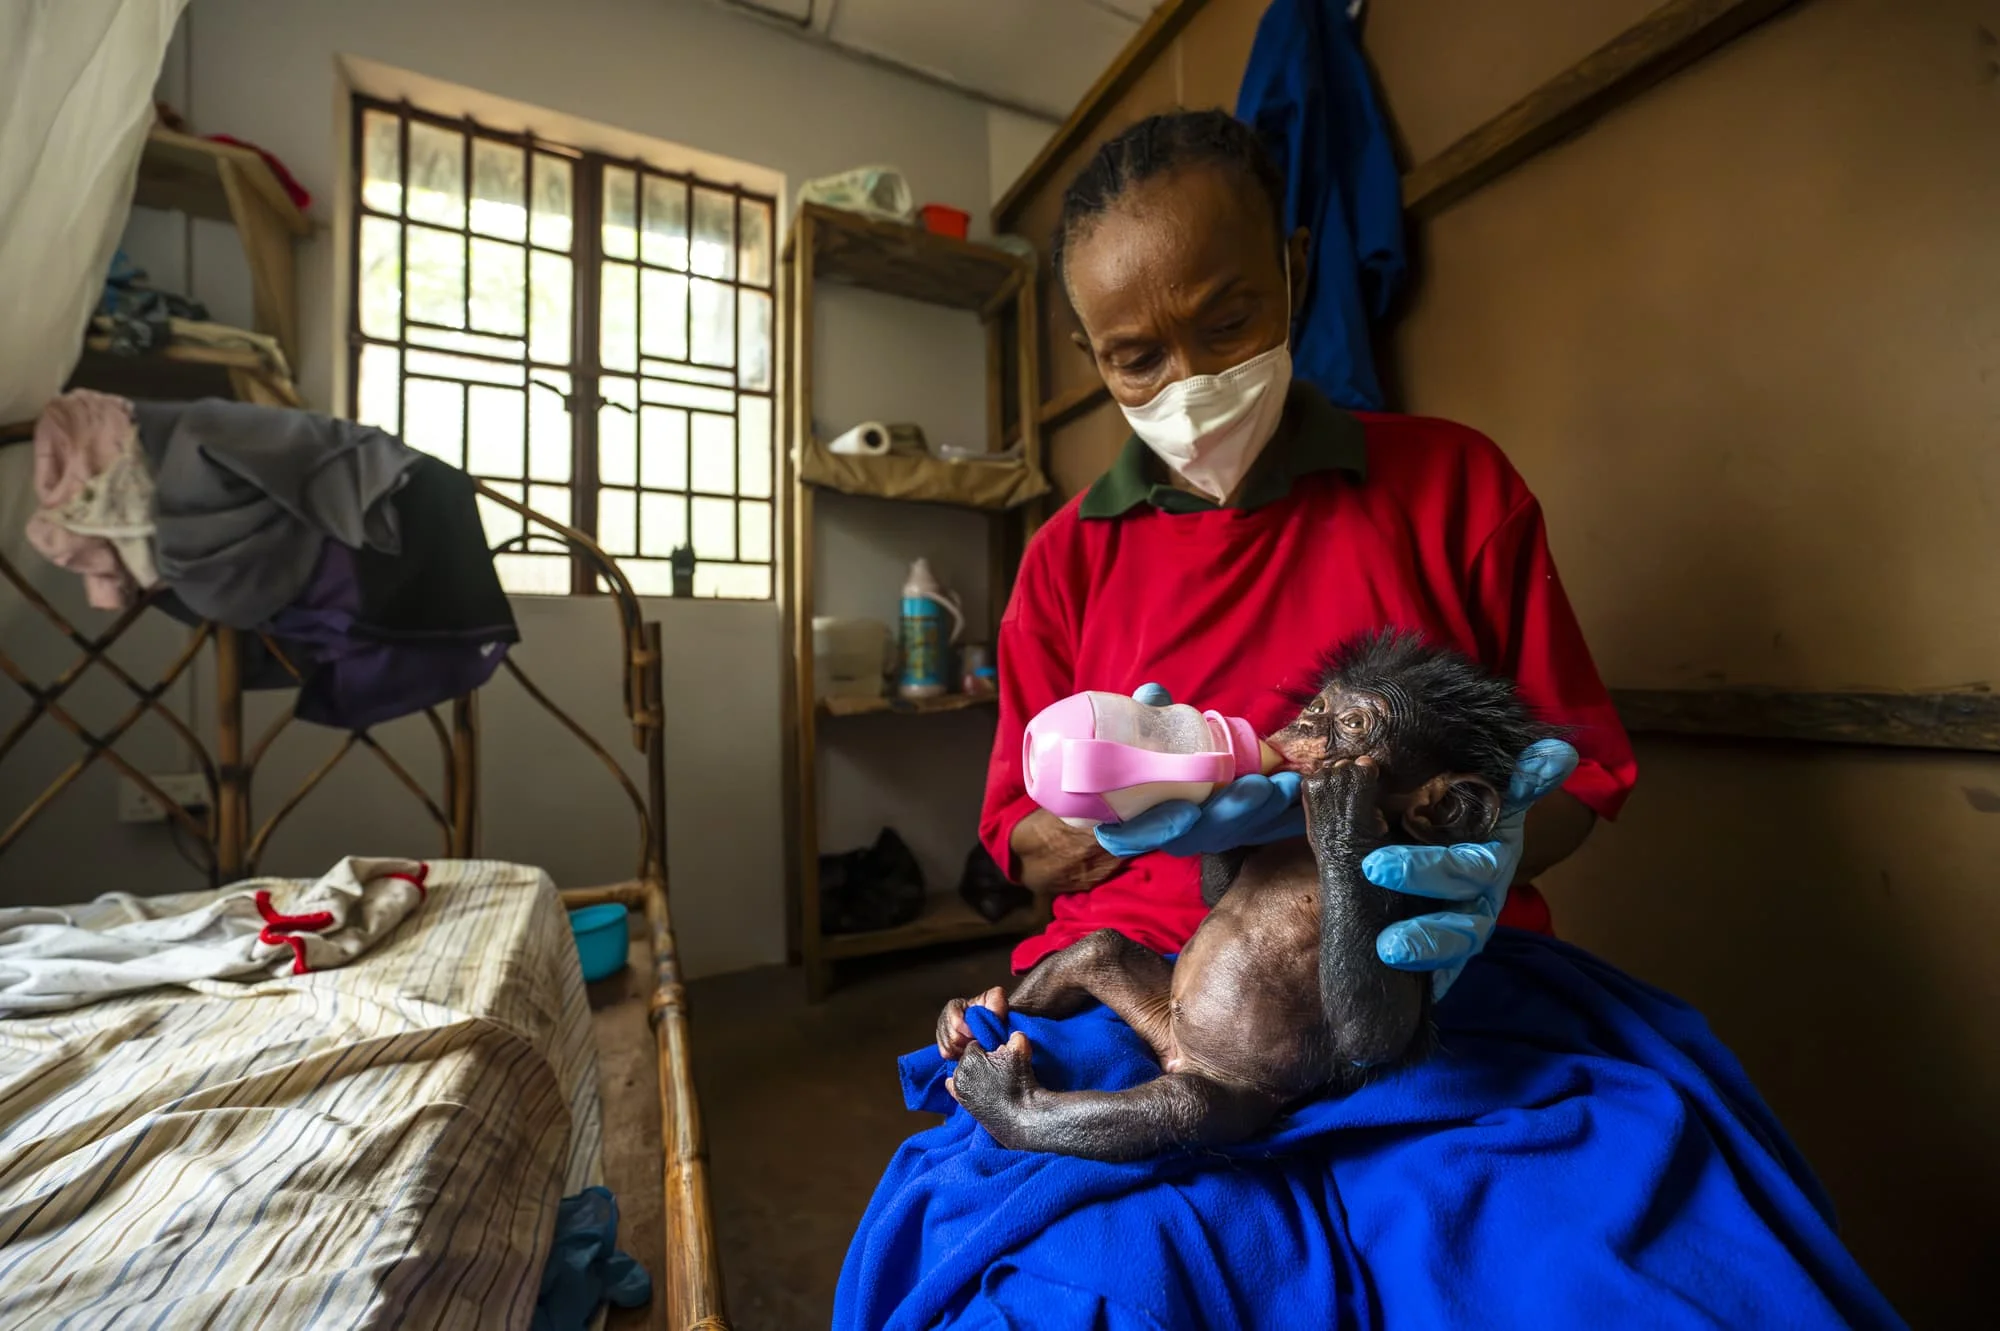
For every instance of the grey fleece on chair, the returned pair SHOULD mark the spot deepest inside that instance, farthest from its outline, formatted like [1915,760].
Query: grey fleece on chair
[246,495]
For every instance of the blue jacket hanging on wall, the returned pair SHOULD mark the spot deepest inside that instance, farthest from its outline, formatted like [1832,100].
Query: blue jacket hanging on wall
[1307,94]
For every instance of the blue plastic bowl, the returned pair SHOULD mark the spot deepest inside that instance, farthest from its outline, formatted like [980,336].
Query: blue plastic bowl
[601,939]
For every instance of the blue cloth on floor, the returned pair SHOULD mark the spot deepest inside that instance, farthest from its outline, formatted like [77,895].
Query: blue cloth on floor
[1582,1152]
[585,1267]
[1307,93]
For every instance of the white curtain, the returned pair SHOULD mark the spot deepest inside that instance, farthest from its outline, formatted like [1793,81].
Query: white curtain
[76,100]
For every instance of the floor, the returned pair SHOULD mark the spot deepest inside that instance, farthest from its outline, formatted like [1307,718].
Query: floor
[800,1107]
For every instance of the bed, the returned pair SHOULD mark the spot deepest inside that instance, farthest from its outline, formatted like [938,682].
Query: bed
[381,1143]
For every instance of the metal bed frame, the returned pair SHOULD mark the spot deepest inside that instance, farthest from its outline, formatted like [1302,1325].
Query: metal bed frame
[225,831]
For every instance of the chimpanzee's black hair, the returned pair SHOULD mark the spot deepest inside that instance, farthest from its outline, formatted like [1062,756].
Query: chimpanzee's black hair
[1477,722]
[1161,144]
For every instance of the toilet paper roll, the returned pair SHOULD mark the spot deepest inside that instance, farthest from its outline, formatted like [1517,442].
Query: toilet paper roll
[874,439]
[868,439]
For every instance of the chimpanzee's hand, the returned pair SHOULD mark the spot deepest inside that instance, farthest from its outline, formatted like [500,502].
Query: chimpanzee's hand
[1249,811]
[1474,875]
[953,1034]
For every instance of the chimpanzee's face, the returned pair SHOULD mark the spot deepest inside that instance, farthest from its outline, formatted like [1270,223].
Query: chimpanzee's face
[1422,798]
[1342,723]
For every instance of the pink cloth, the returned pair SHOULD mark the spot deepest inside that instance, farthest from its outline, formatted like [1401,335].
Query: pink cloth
[78,437]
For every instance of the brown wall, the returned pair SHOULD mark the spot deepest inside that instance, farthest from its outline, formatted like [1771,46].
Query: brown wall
[1743,339]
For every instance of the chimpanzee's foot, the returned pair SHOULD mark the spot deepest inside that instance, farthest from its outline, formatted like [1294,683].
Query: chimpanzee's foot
[953,1034]
[995,1085]
[999,1089]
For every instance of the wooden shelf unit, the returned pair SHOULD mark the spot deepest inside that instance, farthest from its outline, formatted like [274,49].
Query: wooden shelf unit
[226,183]
[945,920]
[827,245]
[950,702]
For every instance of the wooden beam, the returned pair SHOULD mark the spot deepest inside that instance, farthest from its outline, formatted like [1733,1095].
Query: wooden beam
[1116,80]
[1061,410]
[1961,722]
[1669,39]
[181,172]
[1068,406]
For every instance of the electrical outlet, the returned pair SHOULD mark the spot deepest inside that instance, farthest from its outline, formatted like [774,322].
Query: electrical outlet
[137,805]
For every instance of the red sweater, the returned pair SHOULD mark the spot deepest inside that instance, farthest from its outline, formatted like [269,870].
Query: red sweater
[1227,607]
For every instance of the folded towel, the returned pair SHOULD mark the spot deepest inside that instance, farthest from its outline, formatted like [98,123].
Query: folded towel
[257,929]
[1582,1152]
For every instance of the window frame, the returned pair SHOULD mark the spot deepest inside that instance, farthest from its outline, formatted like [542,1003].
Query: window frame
[586,370]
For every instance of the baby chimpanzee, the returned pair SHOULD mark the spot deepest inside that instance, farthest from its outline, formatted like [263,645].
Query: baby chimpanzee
[1279,995]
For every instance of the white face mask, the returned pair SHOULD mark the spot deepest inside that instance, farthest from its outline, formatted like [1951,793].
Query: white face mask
[1211,428]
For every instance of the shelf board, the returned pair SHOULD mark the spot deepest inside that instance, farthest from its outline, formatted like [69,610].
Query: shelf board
[908,261]
[950,702]
[940,501]
[945,920]
[176,372]
[1966,722]
[182,173]
[1670,38]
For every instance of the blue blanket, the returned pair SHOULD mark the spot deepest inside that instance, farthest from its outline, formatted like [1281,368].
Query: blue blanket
[1581,1153]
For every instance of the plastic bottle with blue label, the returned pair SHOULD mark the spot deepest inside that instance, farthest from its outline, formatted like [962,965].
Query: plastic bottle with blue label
[926,670]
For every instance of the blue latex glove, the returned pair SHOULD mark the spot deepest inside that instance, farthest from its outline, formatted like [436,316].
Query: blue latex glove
[585,1269]
[1249,811]
[1475,875]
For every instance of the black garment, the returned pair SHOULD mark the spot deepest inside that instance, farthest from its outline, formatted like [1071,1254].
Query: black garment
[443,583]
[377,635]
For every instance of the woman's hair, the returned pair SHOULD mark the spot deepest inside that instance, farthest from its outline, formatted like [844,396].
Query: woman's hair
[1158,146]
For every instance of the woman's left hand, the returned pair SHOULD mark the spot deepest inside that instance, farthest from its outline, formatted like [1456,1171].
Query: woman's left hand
[1474,875]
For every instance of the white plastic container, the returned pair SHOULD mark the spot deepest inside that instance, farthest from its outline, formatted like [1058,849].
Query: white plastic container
[850,657]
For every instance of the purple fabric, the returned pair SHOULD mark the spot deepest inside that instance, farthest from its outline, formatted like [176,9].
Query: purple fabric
[357,677]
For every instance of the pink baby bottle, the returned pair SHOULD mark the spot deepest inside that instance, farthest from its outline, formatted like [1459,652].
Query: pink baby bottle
[1104,757]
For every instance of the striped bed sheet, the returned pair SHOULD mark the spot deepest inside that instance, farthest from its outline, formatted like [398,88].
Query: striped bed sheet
[382,1144]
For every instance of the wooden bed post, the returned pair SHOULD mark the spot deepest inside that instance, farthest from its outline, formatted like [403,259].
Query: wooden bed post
[232,794]
[693,1271]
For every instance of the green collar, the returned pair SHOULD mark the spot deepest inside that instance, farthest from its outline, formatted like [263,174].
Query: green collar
[1314,436]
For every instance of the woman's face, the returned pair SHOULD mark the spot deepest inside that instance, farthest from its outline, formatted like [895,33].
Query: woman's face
[1179,278]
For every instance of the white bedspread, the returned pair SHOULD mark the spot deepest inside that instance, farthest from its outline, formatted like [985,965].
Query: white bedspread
[379,1144]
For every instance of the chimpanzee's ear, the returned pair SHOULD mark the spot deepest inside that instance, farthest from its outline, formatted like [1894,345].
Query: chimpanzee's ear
[1451,808]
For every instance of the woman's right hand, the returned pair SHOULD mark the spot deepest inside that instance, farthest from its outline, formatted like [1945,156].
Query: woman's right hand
[1057,858]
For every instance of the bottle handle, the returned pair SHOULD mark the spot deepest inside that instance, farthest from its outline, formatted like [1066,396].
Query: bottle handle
[1093,766]
[950,602]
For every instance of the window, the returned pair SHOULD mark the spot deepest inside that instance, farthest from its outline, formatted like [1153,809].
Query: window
[592,336]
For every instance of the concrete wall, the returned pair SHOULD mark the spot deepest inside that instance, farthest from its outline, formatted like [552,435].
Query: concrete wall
[673,70]
[1012,140]
[1740,338]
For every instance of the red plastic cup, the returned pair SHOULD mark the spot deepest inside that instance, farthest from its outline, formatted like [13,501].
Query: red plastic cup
[942,221]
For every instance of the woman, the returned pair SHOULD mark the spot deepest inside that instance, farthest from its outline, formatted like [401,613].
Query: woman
[1247,527]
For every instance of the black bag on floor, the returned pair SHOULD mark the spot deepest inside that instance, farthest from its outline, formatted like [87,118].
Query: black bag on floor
[986,889]
[877,888]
